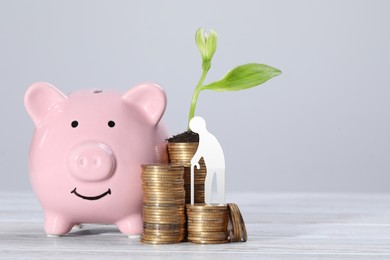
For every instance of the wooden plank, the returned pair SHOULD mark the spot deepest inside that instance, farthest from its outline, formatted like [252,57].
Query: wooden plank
[280,226]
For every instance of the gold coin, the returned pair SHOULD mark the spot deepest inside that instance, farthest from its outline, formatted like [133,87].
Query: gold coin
[164,197]
[161,182]
[212,212]
[201,241]
[236,232]
[163,214]
[180,153]
[165,192]
[206,239]
[207,218]
[163,186]
[162,237]
[179,201]
[165,221]
[164,210]
[169,232]
[162,172]
[160,175]
[213,215]
[202,207]
[154,207]
[238,224]
[207,221]
[205,224]
[163,178]
[161,201]
[156,214]
[222,233]
[203,229]
[159,242]
[162,233]
[210,236]
[166,188]
[162,226]
[160,166]
[168,174]
[166,234]
[160,205]
[201,226]
[182,147]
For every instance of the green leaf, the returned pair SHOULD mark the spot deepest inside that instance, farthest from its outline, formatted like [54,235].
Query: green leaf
[243,77]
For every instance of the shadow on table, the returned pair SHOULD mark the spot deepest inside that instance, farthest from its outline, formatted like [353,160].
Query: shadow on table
[93,230]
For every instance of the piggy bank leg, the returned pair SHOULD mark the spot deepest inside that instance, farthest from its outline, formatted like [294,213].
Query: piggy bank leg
[56,224]
[131,225]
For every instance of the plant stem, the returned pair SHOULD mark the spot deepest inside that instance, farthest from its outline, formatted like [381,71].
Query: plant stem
[196,94]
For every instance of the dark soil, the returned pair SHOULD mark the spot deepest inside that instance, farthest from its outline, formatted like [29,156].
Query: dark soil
[186,137]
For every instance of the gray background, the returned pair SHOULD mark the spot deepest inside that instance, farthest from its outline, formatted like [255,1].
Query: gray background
[323,125]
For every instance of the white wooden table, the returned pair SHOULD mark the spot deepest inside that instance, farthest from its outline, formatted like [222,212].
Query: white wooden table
[280,226]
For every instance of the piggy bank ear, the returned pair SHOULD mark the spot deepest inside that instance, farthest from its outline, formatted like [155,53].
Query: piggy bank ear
[149,99]
[40,98]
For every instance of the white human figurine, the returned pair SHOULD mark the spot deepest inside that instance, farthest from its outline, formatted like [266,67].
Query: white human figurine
[210,149]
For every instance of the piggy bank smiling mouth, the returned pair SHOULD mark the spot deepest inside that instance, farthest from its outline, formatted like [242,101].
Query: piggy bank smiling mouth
[108,192]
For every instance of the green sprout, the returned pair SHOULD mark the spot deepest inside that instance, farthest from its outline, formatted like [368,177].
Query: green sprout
[242,77]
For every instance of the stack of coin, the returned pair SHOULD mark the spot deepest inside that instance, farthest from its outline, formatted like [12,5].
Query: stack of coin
[207,224]
[161,153]
[238,229]
[199,179]
[164,207]
[181,154]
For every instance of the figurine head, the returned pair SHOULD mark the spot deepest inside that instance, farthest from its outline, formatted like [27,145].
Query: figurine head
[198,124]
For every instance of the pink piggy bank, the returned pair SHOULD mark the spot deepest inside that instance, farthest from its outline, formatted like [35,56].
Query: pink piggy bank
[87,151]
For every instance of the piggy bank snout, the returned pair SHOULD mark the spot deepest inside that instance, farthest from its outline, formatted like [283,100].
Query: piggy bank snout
[92,162]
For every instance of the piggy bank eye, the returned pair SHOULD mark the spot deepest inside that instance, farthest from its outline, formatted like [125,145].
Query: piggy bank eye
[111,123]
[75,124]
